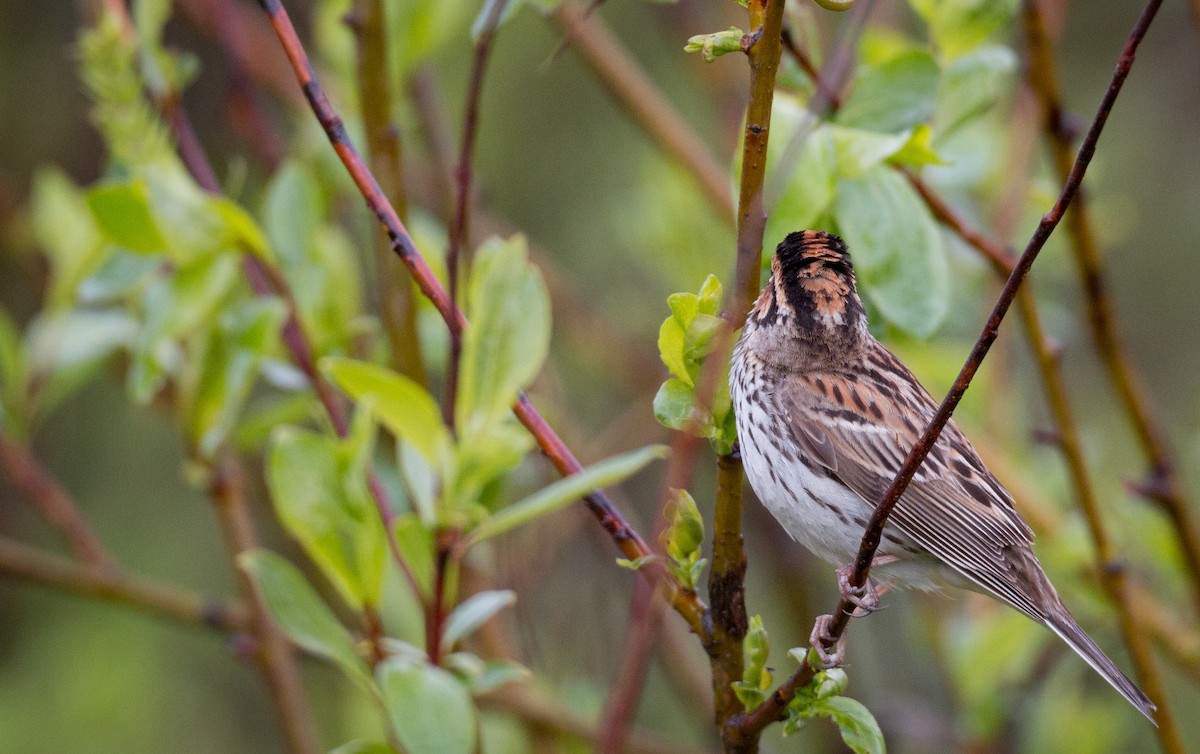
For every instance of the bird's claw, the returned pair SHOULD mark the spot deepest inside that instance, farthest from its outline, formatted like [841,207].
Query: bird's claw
[864,598]
[820,640]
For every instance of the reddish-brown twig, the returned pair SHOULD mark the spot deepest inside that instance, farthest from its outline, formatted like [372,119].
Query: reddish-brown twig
[28,474]
[629,541]
[743,729]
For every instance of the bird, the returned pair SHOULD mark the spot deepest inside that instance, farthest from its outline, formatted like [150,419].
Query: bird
[826,416]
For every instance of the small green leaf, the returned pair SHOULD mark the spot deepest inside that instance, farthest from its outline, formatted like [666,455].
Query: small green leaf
[894,96]
[241,230]
[637,563]
[855,722]
[340,530]
[685,533]
[430,710]
[301,614]
[473,613]
[713,46]
[566,491]
[404,407]
[509,335]
[122,211]
[497,673]
[918,150]
[670,347]
[416,545]
[897,249]
[675,405]
[66,231]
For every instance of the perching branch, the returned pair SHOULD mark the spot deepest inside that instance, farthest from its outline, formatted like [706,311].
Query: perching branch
[629,541]
[1162,484]
[746,727]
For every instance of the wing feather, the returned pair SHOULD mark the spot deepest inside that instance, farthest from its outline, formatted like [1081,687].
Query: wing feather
[953,508]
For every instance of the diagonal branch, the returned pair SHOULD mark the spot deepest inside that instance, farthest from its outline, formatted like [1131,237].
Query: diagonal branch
[53,503]
[745,727]
[628,541]
[1162,484]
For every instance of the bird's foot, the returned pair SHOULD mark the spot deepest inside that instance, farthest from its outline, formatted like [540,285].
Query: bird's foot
[821,642]
[865,598]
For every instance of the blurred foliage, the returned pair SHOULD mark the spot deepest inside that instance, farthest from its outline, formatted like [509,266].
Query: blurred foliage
[134,354]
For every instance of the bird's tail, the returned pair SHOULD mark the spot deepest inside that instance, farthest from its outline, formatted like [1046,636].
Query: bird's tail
[1061,623]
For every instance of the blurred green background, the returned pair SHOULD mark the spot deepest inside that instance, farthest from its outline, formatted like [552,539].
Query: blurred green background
[616,228]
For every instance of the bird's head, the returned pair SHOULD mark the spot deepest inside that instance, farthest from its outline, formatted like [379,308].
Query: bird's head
[811,293]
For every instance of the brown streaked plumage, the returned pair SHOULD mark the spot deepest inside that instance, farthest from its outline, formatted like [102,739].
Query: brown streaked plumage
[826,416]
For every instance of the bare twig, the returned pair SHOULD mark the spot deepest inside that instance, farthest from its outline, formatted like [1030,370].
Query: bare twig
[275,657]
[622,702]
[54,504]
[628,541]
[1162,484]
[745,727]
[624,78]
[146,595]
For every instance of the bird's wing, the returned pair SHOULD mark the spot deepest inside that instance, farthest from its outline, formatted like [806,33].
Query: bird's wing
[860,426]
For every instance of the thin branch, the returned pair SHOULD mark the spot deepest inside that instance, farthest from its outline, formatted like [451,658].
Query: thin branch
[746,727]
[645,614]
[541,711]
[148,596]
[274,656]
[630,86]
[397,303]
[460,236]
[1162,484]
[54,504]
[628,541]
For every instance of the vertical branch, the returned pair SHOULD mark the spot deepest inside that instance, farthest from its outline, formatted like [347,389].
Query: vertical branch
[1162,484]
[54,504]
[397,304]
[460,227]
[273,654]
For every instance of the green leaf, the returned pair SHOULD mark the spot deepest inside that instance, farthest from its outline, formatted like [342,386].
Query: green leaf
[675,405]
[421,481]
[66,231]
[685,532]
[918,151]
[509,335]
[497,673]
[430,710]
[897,249]
[959,26]
[416,545]
[857,152]
[301,614]
[401,405]
[340,531]
[472,613]
[566,491]
[670,347]
[65,350]
[240,229]
[292,211]
[971,85]
[228,366]
[894,96]
[854,721]
[801,162]
[713,46]
[122,211]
